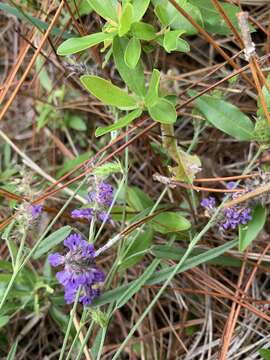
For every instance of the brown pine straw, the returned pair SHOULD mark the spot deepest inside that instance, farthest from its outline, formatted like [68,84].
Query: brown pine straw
[32,61]
[81,337]
[235,310]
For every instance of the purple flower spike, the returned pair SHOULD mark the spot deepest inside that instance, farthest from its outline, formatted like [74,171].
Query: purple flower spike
[36,210]
[79,270]
[83,213]
[105,194]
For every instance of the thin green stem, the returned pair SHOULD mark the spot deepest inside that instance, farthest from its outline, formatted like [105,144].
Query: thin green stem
[72,312]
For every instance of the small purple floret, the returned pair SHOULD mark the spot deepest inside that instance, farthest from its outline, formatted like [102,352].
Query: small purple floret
[79,270]
[56,259]
[36,210]
[209,203]
[104,216]
[83,213]
[231,185]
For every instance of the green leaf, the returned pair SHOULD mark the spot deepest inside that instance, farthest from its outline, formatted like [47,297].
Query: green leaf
[5,265]
[108,93]
[76,122]
[136,250]
[163,111]
[225,117]
[152,93]
[108,169]
[81,9]
[122,122]
[59,317]
[75,45]
[168,222]
[265,354]
[183,45]
[162,275]
[213,20]
[43,75]
[51,241]
[162,14]
[4,319]
[143,31]
[125,20]
[167,252]
[118,213]
[249,232]
[132,52]
[138,199]
[170,40]
[134,78]
[168,15]
[139,9]
[105,8]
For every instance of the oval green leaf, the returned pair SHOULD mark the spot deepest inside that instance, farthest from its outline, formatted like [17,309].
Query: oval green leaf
[134,78]
[152,93]
[170,40]
[125,20]
[105,8]
[225,117]
[170,222]
[143,31]
[108,93]
[140,9]
[132,52]
[75,45]
[163,111]
[122,122]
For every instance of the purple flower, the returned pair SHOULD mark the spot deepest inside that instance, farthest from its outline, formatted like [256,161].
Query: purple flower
[208,203]
[56,259]
[79,270]
[102,197]
[104,216]
[103,194]
[36,210]
[88,296]
[231,185]
[72,242]
[235,216]
[83,213]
